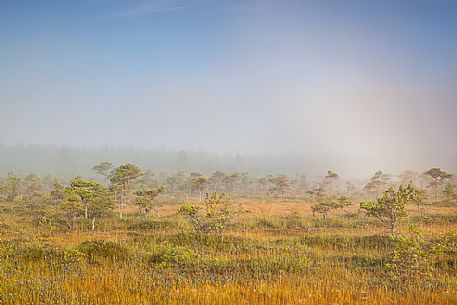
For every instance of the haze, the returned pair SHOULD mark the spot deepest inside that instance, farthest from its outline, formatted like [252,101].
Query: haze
[374,81]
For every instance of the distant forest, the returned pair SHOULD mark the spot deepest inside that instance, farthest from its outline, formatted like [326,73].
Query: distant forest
[68,162]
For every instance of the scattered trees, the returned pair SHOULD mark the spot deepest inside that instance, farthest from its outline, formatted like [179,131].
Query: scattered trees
[89,199]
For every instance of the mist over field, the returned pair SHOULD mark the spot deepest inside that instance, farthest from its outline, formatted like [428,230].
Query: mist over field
[68,162]
[292,86]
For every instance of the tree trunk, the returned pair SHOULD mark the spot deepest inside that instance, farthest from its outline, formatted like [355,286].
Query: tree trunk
[392,227]
[93,223]
[436,191]
[86,213]
[120,210]
[120,205]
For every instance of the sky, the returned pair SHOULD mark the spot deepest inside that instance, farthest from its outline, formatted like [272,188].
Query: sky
[241,76]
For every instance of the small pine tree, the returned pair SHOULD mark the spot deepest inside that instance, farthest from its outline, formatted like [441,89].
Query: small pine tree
[391,207]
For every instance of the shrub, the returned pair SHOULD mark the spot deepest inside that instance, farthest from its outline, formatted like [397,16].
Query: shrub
[172,256]
[44,252]
[218,213]
[411,260]
[149,224]
[99,249]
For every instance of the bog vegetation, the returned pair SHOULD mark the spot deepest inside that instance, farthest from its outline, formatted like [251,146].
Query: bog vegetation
[128,236]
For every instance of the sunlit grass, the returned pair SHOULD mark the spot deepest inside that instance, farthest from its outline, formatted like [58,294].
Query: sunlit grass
[287,258]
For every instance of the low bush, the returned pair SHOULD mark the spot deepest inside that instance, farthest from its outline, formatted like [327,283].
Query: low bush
[172,256]
[96,250]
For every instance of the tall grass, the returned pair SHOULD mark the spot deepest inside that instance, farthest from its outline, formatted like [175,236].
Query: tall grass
[277,259]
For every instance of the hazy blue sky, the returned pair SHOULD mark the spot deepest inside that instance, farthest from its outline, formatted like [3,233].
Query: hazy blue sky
[356,76]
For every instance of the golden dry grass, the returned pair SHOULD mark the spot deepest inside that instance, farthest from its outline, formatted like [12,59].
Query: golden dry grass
[276,253]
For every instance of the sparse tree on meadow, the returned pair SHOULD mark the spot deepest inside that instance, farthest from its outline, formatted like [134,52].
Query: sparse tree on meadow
[2,190]
[330,180]
[148,180]
[391,206]
[262,185]
[57,191]
[378,182]
[438,176]
[219,212]
[32,189]
[172,183]
[177,182]
[350,188]
[70,209]
[87,198]
[103,169]
[233,182]
[450,192]
[245,182]
[407,176]
[102,205]
[325,204]
[145,199]
[198,183]
[121,178]
[86,191]
[281,184]
[217,180]
[12,188]
[301,185]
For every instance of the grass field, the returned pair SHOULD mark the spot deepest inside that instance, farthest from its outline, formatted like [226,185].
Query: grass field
[274,253]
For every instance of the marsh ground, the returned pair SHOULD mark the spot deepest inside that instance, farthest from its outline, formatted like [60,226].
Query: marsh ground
[274,253]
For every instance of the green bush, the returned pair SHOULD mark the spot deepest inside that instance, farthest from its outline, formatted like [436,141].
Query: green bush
[150,225]
[172,256]
[99,249]
[411,261]
[42,252]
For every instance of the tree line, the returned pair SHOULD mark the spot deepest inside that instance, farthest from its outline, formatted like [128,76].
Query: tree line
[112,189]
